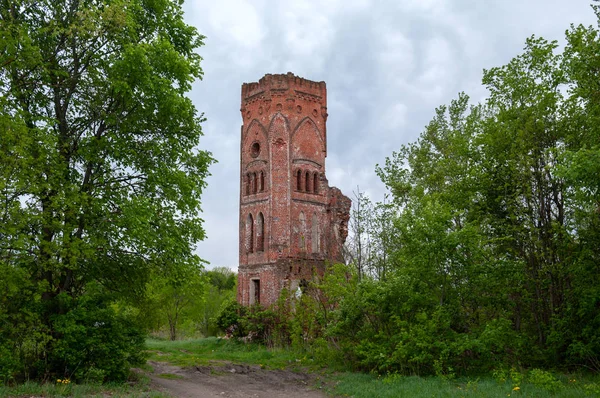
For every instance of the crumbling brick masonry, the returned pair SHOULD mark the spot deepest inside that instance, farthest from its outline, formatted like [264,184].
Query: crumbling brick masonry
[291,221]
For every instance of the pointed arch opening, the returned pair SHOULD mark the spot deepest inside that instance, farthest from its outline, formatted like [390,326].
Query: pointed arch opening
[315,237]
[262,181]
[302,234]
[307,182]
[249,234]
[299,180]
[247,184]
[316,183]
[260,233]
[254,183]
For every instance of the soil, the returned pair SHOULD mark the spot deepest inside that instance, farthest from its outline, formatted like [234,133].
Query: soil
[232,380]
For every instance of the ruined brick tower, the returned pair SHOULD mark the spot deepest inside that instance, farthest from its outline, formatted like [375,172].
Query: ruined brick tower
[291,222]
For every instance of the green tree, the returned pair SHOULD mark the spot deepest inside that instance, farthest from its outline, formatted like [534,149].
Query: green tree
[222,278]
[220,289]
[175,299]
[100,178]
[492,240]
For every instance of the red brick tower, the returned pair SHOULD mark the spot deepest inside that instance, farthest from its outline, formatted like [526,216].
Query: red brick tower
[291,222]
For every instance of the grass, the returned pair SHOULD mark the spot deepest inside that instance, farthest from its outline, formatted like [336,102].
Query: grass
[365,385]
[140,388]
[212,351]
[170,376]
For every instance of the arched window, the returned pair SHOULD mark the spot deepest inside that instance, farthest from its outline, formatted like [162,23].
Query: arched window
[262,181]
[254,183]
[299,180]
[307,181]
[315,238]
[316,183]
[302,234]
[248,184]
[249,234]
[260,233]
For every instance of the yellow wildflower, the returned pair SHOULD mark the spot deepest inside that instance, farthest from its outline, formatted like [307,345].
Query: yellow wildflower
[517,388]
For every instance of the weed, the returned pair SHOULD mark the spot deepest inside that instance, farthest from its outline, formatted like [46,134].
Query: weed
[544,380]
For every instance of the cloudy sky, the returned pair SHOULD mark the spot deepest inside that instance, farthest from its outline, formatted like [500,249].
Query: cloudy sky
[387,65]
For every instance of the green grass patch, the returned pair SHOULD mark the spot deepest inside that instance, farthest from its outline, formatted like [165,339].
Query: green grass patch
[140,388]
[170,376]
[364,385]
[212,350]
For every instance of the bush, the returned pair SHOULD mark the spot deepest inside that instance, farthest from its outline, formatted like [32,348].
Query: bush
[9,364]
[230,318]
[94,343]
[544,380]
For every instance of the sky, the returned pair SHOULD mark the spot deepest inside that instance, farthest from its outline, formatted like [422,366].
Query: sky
[387,66]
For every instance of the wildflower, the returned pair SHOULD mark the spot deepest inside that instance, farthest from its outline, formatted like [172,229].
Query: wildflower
[517,388]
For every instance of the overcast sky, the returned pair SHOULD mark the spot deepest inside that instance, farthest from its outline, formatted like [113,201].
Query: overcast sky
[387,65]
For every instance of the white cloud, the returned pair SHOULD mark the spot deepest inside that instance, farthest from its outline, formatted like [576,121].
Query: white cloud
[387,65]
[237,21]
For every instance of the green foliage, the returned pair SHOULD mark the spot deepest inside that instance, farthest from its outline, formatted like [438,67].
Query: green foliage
[221,287]
[230,318]
[222,278]
[171,299]
[544,380]
[491,256]
[186,305]
[95,343]
[101,176]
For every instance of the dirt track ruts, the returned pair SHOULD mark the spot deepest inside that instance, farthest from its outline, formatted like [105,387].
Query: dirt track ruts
[231,380]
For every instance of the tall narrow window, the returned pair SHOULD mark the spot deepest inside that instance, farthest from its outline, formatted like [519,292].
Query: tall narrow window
[255,291]
[260,233]
[254,183]
[302,234]
[307,181]
[248,184]
[249,234]
[262,181]
[299,180]
[315,238]
[316,183]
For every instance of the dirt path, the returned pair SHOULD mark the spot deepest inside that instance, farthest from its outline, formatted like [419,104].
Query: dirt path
[234,381]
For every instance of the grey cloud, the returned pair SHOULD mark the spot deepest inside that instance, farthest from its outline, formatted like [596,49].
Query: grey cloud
[387,65]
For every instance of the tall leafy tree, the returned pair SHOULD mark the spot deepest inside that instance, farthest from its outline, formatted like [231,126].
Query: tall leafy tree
[495,225]
[100,175]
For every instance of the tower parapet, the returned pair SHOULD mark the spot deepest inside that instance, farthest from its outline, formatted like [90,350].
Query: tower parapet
[285,85]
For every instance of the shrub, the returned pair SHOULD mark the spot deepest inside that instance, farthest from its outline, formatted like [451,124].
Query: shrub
[93,342]
[9,364]
[230,318]
[544,380]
